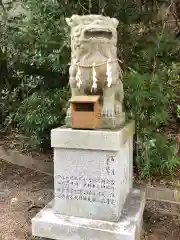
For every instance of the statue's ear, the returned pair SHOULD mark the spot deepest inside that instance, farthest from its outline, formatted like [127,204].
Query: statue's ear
[69,22]
[74,20]
[115,22]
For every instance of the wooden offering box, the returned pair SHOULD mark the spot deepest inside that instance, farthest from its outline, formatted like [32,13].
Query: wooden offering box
[85,112]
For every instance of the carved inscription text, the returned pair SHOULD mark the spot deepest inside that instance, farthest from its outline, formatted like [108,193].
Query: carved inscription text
[85,188]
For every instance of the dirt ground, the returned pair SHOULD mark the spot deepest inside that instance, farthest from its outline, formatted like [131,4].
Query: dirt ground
[24,192]
[158,225]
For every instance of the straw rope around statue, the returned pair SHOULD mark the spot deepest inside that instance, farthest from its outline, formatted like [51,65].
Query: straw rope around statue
[94,75]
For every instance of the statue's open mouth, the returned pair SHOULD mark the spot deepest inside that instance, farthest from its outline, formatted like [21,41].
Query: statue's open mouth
[98,33]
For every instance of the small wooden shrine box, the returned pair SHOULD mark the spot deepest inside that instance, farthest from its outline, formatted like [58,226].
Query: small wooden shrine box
[85,112]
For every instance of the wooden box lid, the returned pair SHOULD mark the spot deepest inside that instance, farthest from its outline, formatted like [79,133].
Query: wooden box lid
[85,99]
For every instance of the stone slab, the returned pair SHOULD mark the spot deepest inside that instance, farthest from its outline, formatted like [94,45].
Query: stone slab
[104,122]
[46,224]
[93,183]
[157,193]
[43,164]
[163,194]
[91,139]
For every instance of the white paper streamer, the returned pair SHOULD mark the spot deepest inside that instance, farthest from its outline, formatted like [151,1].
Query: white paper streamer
[78,78]
[109,73]
[94,86]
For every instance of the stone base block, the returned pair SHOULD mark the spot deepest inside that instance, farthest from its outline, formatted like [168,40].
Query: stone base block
[92,171]
[105,122]
[46,224]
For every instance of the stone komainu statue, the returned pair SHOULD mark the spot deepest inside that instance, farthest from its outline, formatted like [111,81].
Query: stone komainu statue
[94,66]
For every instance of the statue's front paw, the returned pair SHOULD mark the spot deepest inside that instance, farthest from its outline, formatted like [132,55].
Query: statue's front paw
[68,113]
[108,110]
[118,109]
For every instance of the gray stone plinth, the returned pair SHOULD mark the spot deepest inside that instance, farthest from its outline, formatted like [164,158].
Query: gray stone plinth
[92,171]
[104,122]
[112,140]
[46,224]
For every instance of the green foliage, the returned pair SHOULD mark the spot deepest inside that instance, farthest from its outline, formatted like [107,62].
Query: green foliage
[178,111]
[157,155]
[151,87]
[8,102]
[10,99]
[34,53]
[152,94]
[41,37]
[41,112]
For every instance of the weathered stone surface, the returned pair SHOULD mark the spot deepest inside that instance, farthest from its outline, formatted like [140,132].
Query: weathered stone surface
[54,226]
[92,172]
[94,66]
[111,140]
[43,164]
[160,194]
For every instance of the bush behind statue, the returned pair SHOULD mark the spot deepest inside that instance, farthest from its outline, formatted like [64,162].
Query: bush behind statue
[41,112]
[151,86]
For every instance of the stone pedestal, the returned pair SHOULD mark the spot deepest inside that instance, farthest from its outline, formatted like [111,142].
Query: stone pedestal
[93,195]
[47,224]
